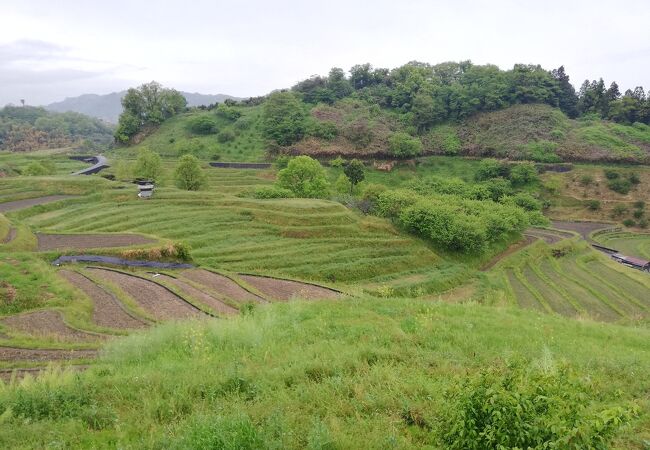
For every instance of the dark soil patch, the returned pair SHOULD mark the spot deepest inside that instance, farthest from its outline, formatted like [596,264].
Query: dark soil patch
[84,241]
[47,324]
[584,229]
[208,300]
[11,235]
[38,355]
[509,251]
[155,299]
[26,203]
[286,289]
[221,285]
[108,311]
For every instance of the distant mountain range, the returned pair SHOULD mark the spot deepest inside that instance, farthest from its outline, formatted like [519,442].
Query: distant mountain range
[109,107]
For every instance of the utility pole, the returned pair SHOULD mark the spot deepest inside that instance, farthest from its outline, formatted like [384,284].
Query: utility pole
[22,100]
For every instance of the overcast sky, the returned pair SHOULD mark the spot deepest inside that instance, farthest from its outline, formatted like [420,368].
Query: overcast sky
[55,49]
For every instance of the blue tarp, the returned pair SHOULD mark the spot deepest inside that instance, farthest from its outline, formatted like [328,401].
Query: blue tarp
[119,262]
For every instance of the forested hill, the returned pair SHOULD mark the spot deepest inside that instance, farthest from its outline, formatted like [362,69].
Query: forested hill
[109,107]
[27,128]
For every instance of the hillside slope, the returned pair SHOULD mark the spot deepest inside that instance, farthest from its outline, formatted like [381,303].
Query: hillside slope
[108,107]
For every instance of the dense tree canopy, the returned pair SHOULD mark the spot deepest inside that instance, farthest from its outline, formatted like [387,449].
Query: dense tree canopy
[305,177]
[149,104]
[283,118]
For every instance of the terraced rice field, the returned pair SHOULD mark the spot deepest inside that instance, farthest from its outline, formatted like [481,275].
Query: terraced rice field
[627,243]
[316,240]
[581,284]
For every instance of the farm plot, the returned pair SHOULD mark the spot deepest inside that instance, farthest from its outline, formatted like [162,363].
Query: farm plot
[277,289]
[29,202]
[108,311]
[581,284]
[157,301]
[216,305]
[222,286]
[47,324]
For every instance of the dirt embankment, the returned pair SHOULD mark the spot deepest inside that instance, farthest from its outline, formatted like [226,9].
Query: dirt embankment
[153,298]
[107,311]
[43,355]
[48,242]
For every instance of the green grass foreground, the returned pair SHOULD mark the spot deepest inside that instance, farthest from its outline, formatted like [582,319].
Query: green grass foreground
[356,373]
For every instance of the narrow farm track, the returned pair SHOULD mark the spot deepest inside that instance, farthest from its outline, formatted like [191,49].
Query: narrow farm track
[221,285]
[48,324]
[11,235]
[108,311]
[47,242]
[7,375]
[584,229]
[278,289]
[153,298]
[29,202]
[187,289]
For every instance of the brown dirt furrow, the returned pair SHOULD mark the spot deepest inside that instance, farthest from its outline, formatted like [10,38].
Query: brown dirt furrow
[26,203]
[286,289]
[108,311]
[509,251]
[84,241]
[208,300]
[11,235]
[38,355]
[155,299]
[220,285]
[47,323]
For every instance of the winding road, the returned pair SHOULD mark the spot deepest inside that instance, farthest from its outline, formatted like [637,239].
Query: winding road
[102,163]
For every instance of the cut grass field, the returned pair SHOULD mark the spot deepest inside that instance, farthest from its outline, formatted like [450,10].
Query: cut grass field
[627,243]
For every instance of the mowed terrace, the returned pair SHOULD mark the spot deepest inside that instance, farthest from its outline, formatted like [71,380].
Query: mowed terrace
[294,238]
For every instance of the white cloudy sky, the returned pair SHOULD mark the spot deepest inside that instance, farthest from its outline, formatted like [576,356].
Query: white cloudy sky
[53,49]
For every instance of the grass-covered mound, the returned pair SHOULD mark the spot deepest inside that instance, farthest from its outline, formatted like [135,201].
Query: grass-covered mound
[356,373]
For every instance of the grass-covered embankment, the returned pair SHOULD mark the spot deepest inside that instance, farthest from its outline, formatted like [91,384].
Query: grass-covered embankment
[346,374]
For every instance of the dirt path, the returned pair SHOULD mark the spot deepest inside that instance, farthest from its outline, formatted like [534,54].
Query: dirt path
[285,289]
[221,285]
[107,311]
[509,251]
[548,236]
[48,323]
[155,299]
[85,241]
[582,228]
[11,235]
[26,203]
[187,289]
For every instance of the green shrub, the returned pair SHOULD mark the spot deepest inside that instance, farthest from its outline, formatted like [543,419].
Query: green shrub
[586,180]
[202,125]
[491,168]
[593,205]
[527,202]
[638,213]
[522,174]
[520,407]
[634,178]
[322,130]
[182,251]
[643,223]
[629,223]
[226,135]
[35,169]
[228,112]
[243,123]
[305,177]
[403,145]
[359,133]
[189,174]
[611,174]
[640,204]
[619,210]
[541,151]
[272,192]
[620,185]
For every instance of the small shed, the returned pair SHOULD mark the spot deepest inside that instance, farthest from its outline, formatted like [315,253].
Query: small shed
[145,188]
